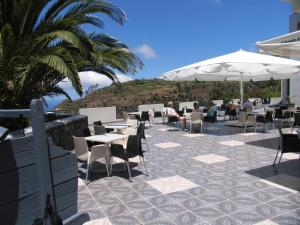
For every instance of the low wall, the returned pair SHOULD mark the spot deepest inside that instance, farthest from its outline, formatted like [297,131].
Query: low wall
[219,103]
[62,131]
[105,114]
[188,105]
[156,107]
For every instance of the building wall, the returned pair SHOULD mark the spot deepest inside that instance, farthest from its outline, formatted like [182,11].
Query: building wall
[294,25]
[295,91]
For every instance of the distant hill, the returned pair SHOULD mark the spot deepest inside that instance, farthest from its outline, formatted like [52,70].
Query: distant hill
[136,92]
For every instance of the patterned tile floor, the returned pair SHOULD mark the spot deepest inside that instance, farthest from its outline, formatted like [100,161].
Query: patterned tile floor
[203,179]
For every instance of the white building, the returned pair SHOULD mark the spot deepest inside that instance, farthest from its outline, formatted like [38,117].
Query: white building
[287,46]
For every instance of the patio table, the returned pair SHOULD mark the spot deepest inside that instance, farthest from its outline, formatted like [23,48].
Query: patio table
[107,139]
[118,127]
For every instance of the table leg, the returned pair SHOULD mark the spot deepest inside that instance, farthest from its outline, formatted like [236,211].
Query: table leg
[108,157]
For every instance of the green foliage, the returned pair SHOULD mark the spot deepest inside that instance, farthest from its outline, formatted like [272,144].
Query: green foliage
[136,92]
[42,42]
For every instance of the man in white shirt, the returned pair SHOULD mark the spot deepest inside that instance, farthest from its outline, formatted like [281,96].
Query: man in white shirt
[170,112]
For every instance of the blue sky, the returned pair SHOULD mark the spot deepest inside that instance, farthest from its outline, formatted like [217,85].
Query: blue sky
[172,33]
[168,34]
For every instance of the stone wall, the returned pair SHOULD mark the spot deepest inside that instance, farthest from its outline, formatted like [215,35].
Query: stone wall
[61,131]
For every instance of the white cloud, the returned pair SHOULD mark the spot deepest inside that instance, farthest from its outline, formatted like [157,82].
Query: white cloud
[90,78]
[146,51]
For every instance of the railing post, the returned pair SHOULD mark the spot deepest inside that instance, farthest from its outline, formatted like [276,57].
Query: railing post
[40,143]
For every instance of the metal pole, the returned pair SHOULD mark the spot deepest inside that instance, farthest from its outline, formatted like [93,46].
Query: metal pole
[242,89]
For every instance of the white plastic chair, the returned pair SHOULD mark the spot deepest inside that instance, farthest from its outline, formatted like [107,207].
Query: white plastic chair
[246,120]
[132,122]
[96,152]
[196,121]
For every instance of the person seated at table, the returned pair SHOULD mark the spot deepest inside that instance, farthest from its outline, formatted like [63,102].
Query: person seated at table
[283,104]
[212,109]
[231,110]
[196,107]
[247,106]
[171,113]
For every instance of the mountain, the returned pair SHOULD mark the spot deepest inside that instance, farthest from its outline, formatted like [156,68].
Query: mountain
[133,93]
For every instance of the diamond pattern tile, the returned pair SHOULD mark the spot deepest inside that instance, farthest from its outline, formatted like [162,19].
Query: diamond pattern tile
[103,221]
[167,145]
[211,158]
[232,143]
[266,222]
[193,135]
[290,156]
[171,184]
[248,134]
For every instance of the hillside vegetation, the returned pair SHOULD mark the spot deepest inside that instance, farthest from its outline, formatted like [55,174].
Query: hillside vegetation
[136,92]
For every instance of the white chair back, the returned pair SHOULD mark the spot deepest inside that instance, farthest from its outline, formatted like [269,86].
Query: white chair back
[130,131]
[242,117]
[196,118]
[81,147]
[125,116]
[132,123]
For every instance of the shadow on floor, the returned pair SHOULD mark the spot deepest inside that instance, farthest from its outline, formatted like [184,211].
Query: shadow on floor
[287,174]
[272,143]
[118,169]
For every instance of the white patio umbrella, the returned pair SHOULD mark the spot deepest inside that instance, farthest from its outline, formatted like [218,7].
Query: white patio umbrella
[285,45]
[237,66]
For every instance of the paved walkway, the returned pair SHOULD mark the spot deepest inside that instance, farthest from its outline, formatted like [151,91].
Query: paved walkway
[198,179]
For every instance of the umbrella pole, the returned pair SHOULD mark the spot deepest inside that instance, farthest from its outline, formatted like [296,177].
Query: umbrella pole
[242,89]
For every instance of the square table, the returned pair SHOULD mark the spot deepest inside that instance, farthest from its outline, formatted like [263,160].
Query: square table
[118,127]
[107,139]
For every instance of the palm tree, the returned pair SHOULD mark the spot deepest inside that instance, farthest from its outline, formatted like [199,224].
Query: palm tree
[42,42]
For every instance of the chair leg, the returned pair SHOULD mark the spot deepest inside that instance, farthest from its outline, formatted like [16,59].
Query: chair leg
[148,150]
[280,157]
[87,170]
[145,166]
[106,165]
[276,158]
[110,166]
[129,173]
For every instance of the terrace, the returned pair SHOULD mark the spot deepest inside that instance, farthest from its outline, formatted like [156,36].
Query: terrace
[197,179]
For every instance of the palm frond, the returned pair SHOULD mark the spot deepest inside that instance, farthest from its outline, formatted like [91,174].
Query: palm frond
[63,67]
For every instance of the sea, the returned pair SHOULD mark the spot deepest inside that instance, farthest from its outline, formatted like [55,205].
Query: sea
[52,102]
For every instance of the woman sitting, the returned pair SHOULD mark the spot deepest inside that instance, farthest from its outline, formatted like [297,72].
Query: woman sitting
[212,110]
